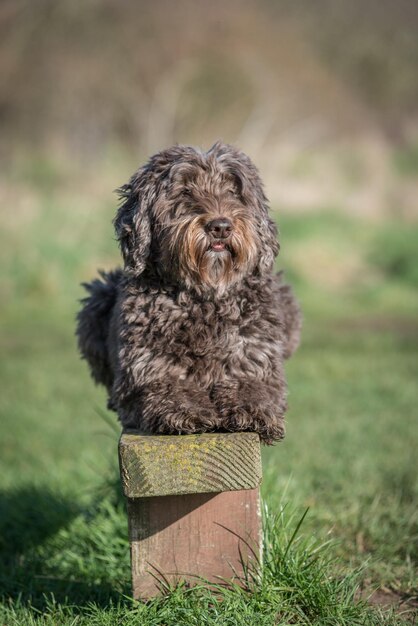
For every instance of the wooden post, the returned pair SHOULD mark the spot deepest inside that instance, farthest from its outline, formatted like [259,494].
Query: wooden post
[193,507]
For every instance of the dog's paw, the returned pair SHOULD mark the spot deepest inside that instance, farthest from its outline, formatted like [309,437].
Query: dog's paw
[250,407]
[189,420]
[266,424]
[271,432]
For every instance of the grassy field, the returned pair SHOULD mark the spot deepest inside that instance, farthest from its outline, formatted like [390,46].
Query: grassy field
[349,455]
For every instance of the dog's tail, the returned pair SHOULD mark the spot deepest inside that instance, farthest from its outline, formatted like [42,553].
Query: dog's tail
[93,325]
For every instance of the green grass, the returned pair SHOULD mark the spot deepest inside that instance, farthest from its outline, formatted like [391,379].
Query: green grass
[349,454]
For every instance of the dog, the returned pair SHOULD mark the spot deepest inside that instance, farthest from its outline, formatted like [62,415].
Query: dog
[191,335]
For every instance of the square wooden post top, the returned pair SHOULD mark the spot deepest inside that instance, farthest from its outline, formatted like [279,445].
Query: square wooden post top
[163,465]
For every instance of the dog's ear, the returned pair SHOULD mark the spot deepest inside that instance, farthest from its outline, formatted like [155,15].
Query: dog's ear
[133,221]
[265,226]
[250,188]
[267,232]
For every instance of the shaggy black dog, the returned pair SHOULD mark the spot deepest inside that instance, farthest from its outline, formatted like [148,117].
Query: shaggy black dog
[191,335]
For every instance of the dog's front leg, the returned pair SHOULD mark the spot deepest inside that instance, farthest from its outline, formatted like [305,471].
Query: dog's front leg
[167,407]
[252,405]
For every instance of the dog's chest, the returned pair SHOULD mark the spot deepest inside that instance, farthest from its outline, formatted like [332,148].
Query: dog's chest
[226,343]
[204,342]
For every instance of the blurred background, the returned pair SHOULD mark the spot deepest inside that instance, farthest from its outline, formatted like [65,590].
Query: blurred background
[323,96]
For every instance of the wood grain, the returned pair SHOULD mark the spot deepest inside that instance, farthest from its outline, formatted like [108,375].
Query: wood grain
[174,538]
[186,464]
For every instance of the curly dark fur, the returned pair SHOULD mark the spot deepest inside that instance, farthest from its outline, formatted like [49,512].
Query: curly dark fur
[191,336]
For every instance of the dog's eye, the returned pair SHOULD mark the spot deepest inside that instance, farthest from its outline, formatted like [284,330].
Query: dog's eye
[186,193]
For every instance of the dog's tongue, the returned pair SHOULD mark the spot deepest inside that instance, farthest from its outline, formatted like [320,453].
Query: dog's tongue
[218,246]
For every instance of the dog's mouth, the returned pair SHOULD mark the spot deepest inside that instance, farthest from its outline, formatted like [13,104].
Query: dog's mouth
[219,246]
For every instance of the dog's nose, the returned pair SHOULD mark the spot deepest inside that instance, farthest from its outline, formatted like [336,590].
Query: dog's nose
[220,228]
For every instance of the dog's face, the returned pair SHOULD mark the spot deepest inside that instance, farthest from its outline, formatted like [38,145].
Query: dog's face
[198,219]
